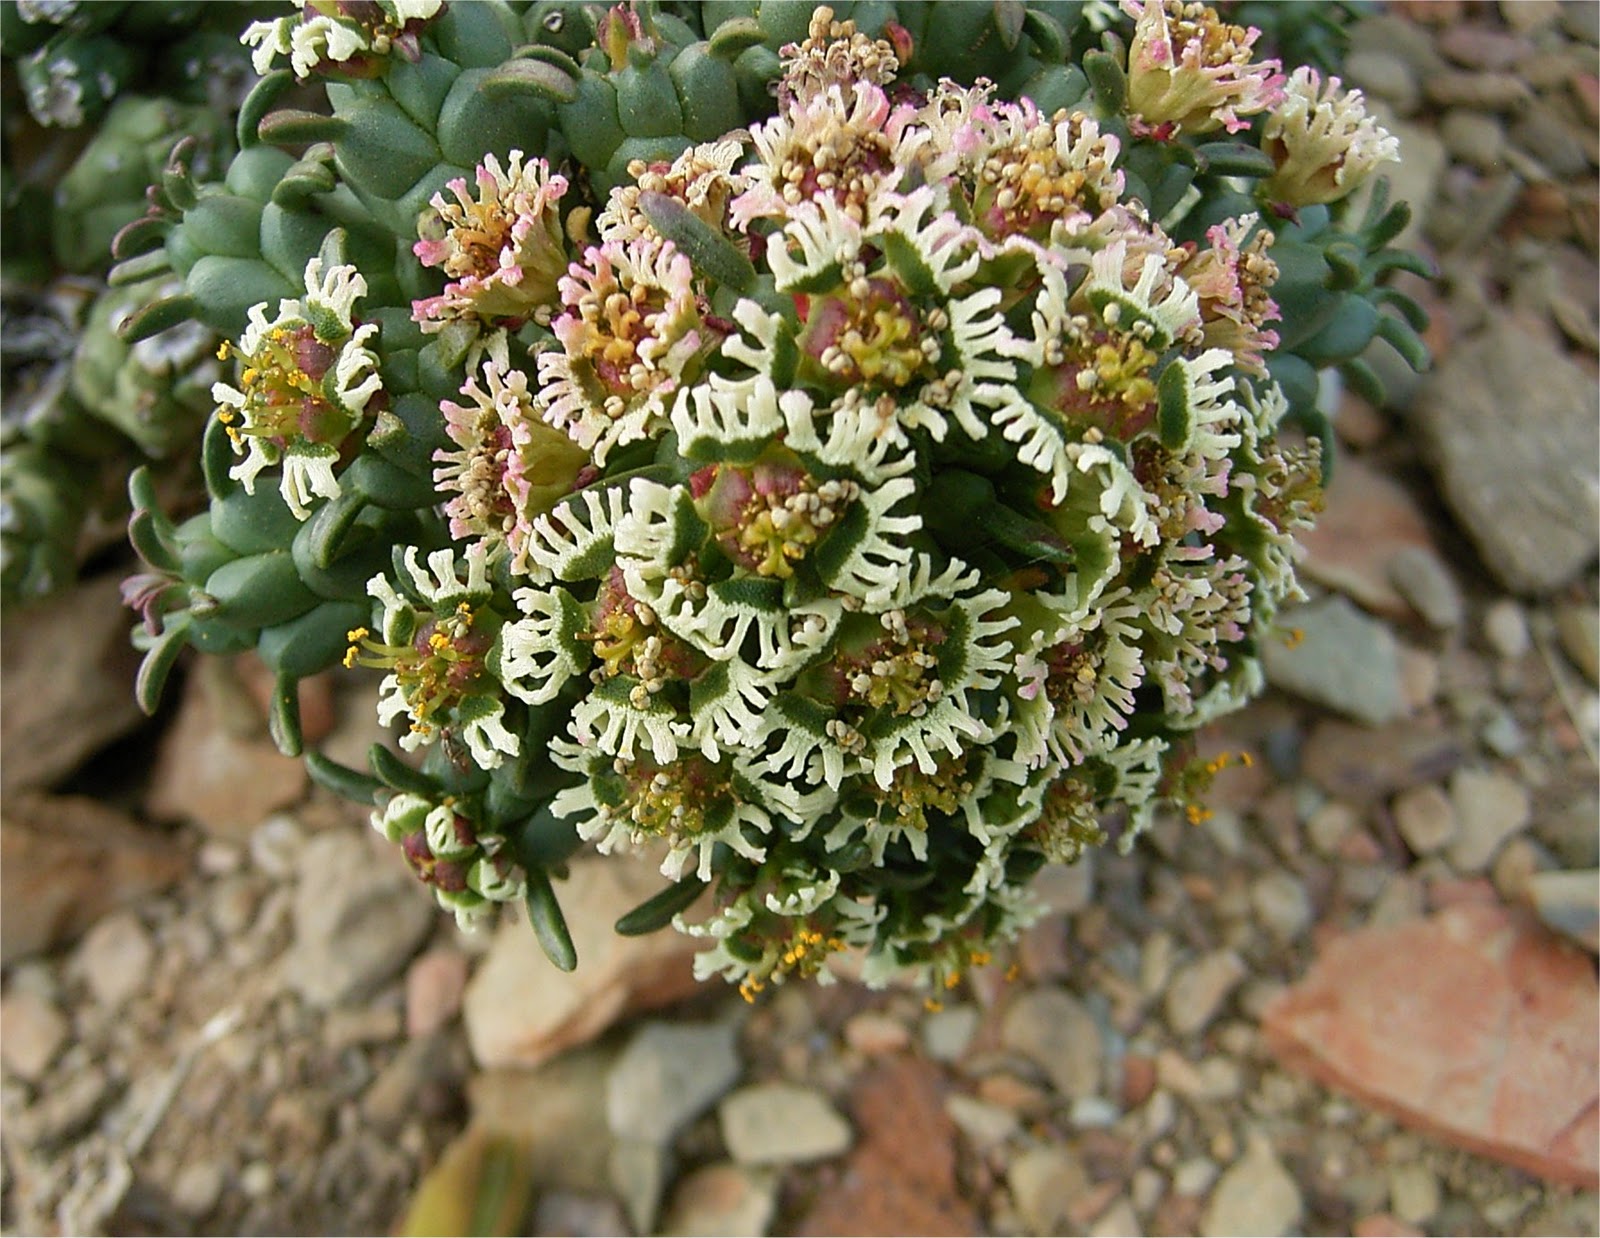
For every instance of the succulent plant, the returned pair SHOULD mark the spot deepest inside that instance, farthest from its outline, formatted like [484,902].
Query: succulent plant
[860,492]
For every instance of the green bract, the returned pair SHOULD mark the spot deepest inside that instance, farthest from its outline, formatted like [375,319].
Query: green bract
[733,435]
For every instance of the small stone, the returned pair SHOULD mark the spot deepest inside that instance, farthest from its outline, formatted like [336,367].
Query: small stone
[435,983]
[1343,660]
[1425,818]
[1505,627]
[1359,765]
[985,1124]
[1120,1220]
[358,918]
[1490,92]
[575,1215]
[275,845]
[873,1033]
[1281,905]
[1066,889]
[1425,582]
[1051,1028]
[1419,678]
[115,959]
[1516,865]
[1044,1182]
[670,1074]
[1254,1196]
[1502,734]
[1198,990]
[1327,826]
[218,858]
[65,1110]
[1482,47]
[781,1124]
[1413,1192]
[257,1179]
[1579,630]
[947,1033]
[360,1025]
[1570,904]
[1581,21]
[1489,808]
[1382,1225]
[1546,135]
[1194,1176]
[638,1172]
[393,1096]
[1384,76]
[32,1032]
[1369,518]
[1093,1113]
[1568,830]
[723,1201]
[198,1187]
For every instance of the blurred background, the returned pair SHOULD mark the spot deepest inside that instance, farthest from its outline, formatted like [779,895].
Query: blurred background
[1359,997]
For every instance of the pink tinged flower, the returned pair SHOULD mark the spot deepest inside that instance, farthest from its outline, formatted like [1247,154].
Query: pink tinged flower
[1232,279]
[1189,70]
[508,466]
[630,336]
[503,248]
[1323,141]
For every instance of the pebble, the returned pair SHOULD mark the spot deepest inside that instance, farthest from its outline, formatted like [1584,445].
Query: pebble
[638,1170]
[577,1215]
[1478,46]
[1045,1182]
[670,1074]
[357,920]
[1569,903]
[1425,582]
[233,904]
[1505,627]
[1281,905]
[723,1200]
[1578,627]
[947,1033]
[1066,889]
[1345,660]
[435,983]
[1548,137]
[115,958]
[198,1187]
[275,845]
[1051,1028]
[217,858]
[1489,808]
[1414,1193]
[1490,92]
[32,1032]
[1199,989]
[1327,827]
[1194,1176]
[781,1124]
[1384,76]
[257,1179]
[874,1033]
[1117,1221]
[66,1109]
[1502,734]
[986,1125]
[1093,1113]
[1425,818]
[1255,1196]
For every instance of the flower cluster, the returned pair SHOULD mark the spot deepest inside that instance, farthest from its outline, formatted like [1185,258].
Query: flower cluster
[349,37]
[863,594]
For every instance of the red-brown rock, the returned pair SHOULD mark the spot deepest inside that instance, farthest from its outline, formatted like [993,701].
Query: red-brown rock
[1474,1025]
[901,1178]
[66,860]
[1369,516]
[207,774]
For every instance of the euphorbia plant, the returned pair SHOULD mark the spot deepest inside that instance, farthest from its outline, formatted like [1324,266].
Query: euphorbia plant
[864,507]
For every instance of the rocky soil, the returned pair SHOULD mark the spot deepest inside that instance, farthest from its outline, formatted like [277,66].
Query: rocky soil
[1359,998]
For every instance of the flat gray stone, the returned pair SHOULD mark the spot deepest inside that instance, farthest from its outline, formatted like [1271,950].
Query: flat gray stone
[1508,425]
[1345,661]
[1051,1028]
[1570,904]
[1425,582]
[782,1124]
[1489,808]
[669,1074]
